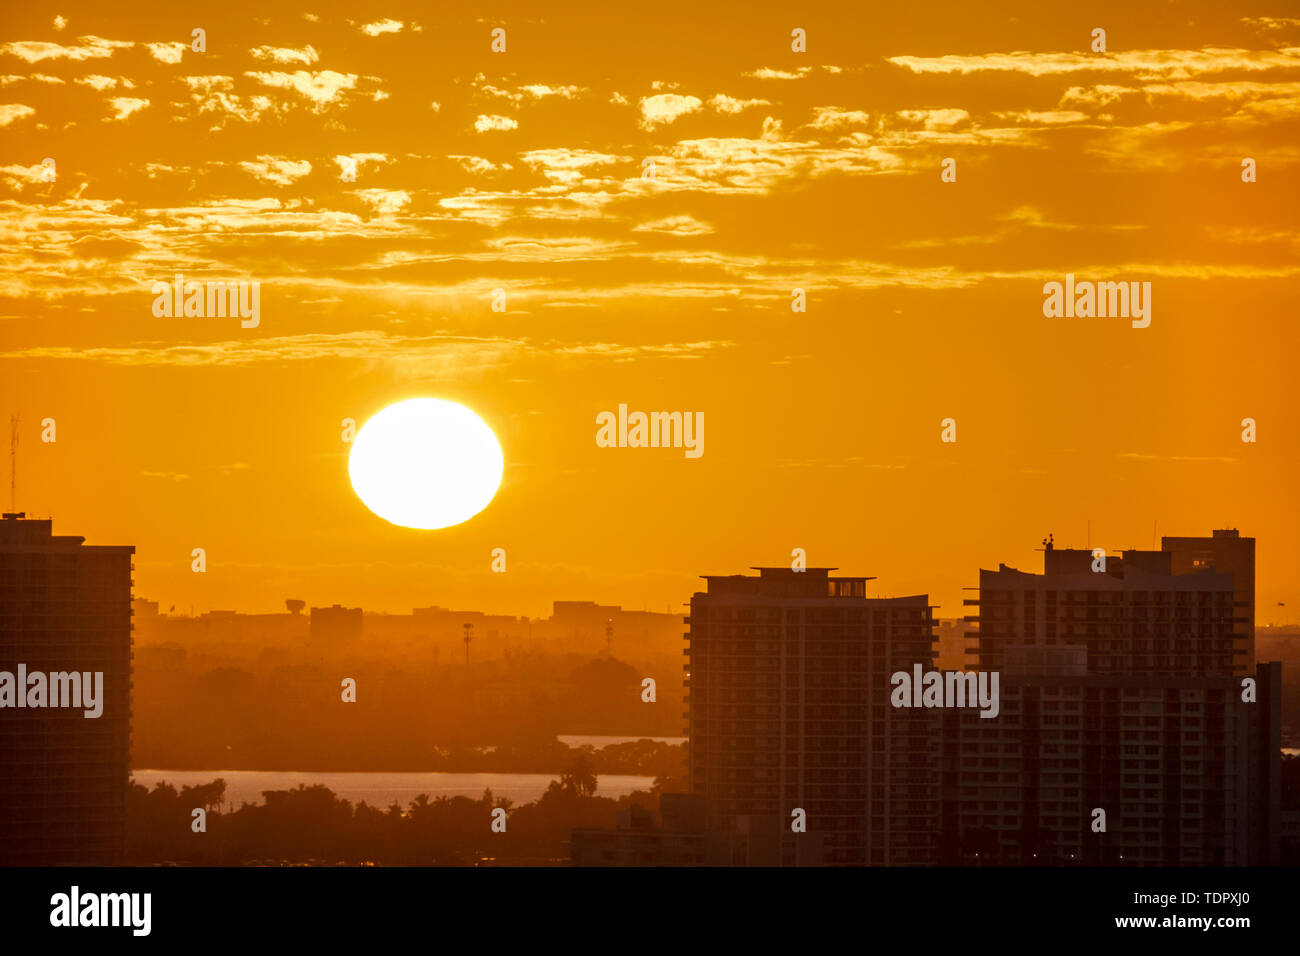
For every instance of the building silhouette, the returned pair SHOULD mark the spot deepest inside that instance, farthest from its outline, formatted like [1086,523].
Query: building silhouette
[788,709]
[1134,617]
[1123,688]
[1121,692]
[64,607]
[1186,772]
[682,840]
[336,625]
[1225,551]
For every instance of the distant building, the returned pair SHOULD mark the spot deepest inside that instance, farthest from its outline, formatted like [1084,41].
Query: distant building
[144,609]
[64,607]
[950,642]
[788,678]
[336,624]
[596,627]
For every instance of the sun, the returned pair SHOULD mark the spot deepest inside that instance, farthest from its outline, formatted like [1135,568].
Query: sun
[426,463]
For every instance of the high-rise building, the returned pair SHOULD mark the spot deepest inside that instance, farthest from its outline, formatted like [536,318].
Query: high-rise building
[1225,551]
[788,677]
[1181,767]
[1132,616]
[1126,734]
[65,609]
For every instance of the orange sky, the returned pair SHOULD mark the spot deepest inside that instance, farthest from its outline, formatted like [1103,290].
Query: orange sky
[774,170]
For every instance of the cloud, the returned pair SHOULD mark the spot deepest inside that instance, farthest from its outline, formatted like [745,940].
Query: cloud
[737,165]
[1271,24]
[382,26]
[11,112]
[1231,93]
[475,164]
[1094,97]
[729,104]
[676,226]
[562,165]
[31,77]
[322,87]
[539,91]
[766,73]
[1141,457]
[60,22]
[170,52]
[211,94]
[664,108]
[533,91]
[832,117]
[277,169]
[124,106]
[281,54]
[209,82]
[16,177]
[361,159]
[88,48]
[1043,118]
[485,123]
[1145,64]
[935,119]
[385,201]
[361,346]
[100,83]
[442,355]
[487,89]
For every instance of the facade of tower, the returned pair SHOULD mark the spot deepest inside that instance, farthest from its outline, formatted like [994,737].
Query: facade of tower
[65,609]
[1128,734]
[1134,617]
[1225,551]
[788,681]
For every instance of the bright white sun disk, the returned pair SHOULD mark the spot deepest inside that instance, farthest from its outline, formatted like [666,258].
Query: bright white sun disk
[426,463]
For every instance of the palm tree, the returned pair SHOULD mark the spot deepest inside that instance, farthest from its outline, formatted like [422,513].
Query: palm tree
[580,778]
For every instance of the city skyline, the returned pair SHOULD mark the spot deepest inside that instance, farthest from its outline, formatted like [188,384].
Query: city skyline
[1117,714]
[875,588]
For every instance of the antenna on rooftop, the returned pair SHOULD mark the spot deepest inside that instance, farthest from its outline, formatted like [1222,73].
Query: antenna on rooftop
[13,463]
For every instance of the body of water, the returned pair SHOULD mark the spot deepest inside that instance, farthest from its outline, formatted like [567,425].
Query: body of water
[382,789]
[579,740]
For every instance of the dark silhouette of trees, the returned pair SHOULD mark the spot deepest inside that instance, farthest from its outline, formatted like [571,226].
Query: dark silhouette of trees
[580,778]
[312,825]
